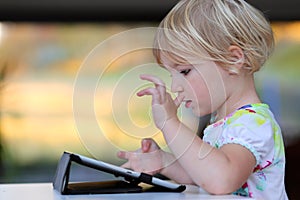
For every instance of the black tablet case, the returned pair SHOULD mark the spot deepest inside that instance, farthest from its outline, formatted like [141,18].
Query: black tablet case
[128,185]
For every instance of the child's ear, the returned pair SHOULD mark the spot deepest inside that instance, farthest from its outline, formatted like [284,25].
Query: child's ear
[237,56]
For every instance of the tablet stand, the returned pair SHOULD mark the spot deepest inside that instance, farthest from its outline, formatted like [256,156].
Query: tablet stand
[62,185]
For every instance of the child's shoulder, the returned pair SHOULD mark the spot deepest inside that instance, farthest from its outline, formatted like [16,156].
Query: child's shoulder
[258,113]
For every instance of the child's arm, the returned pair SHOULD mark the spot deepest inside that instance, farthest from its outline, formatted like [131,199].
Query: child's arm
[218,171]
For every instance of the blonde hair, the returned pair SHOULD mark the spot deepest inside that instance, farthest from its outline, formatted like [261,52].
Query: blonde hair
[213,26]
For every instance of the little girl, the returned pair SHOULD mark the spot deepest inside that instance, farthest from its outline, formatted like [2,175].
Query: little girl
[212,49]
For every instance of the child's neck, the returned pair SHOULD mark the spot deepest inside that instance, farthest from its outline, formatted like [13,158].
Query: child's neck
[243,95]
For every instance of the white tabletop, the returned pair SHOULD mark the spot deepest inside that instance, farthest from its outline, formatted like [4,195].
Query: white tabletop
[44,191]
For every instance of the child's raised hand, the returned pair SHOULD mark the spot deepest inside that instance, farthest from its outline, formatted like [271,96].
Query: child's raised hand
[147,159]
[163,106]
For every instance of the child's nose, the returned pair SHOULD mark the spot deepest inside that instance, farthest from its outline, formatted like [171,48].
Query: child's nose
[176,87]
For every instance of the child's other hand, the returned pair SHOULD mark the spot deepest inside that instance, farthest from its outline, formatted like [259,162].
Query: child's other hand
[164,107]
[147,159]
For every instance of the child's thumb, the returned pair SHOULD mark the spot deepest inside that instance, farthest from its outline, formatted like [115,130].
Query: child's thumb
[148,145]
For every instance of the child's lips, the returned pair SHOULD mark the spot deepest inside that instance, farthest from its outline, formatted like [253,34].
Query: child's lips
[188,103]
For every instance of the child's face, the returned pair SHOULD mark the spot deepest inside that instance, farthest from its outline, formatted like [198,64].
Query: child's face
[202,86]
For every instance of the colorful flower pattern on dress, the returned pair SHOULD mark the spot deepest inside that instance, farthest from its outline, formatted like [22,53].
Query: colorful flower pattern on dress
[254,127]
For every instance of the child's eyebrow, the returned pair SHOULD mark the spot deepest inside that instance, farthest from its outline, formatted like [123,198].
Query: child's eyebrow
[183,66]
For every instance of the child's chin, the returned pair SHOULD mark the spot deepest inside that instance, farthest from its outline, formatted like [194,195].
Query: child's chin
[197,112]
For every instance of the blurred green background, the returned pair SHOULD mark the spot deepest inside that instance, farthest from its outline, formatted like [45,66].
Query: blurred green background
[39,63]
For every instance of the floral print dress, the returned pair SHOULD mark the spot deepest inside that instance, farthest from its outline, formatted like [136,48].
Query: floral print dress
[254,127]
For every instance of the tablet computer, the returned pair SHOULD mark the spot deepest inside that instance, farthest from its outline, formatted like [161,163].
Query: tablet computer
[132,179]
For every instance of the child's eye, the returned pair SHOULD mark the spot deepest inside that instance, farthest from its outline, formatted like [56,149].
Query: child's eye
[185,72]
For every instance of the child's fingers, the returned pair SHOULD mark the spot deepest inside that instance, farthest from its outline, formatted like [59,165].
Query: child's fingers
[153,79]
[145,145]
[159,84]
[178,100]
[147,91]
[123,155]
[156,98]
[149,145]
[126,165]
